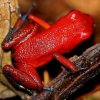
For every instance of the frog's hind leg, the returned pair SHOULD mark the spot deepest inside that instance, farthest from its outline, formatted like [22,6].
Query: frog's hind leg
[21,20]
[17,85]
[24,75]
[29,30]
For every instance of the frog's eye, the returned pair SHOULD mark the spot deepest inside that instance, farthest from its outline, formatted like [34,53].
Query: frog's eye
[87,34]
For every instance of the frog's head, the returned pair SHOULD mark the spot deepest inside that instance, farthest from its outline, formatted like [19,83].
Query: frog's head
[82,24]
[88,26]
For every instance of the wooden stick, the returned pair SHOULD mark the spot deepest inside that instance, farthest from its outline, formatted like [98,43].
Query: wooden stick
[66,84]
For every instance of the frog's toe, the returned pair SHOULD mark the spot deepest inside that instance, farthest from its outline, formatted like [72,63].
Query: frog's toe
[48,88]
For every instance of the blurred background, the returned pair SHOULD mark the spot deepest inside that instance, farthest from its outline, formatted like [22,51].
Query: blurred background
[51,10]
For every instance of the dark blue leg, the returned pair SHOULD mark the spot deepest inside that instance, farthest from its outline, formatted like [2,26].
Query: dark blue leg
[48,88]
[17,85]
[18,25]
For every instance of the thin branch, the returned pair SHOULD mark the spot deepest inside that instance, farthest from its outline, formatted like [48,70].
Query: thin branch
[67,83]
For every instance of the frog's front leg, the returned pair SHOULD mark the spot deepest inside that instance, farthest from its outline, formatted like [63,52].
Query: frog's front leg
[66,62]
[25,75]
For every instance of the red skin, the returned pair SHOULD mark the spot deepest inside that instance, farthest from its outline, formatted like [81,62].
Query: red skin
[32,51]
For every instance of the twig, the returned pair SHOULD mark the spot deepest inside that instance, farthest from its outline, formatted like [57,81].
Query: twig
[67,83]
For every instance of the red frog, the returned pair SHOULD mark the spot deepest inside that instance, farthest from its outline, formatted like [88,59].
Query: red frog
[32,49]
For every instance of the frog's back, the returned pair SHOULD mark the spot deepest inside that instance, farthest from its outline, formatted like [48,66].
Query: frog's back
[61,37]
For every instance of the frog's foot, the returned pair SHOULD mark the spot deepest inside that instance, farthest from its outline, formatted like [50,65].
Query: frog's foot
[25,77]
[48,88]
